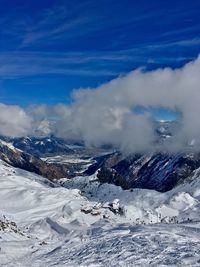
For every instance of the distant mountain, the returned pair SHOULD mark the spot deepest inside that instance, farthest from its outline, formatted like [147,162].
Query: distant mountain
[44,144]
[61,158]
[41,146]
[25,161]
[165,129]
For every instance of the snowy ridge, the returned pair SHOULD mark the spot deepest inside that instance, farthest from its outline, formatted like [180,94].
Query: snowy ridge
[83,223]
[141,206]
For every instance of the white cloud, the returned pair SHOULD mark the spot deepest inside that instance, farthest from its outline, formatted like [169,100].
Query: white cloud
[14,121]
[106,114]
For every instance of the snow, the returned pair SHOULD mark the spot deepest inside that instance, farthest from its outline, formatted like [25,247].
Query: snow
[82,164]
[39,143]
[9,145]
[82,223]
[66,159]
[141,205]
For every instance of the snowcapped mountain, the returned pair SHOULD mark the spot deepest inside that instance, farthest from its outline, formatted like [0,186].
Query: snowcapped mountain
[80,222]
[25,161]
[158,171]
[42,146]
[97,207]
[103,209]
[165,129]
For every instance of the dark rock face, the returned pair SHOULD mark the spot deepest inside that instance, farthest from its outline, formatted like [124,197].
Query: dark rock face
[31,163]
[160,172]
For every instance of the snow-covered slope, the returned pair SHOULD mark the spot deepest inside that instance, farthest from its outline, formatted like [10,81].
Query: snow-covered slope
[83,223]
[142,206]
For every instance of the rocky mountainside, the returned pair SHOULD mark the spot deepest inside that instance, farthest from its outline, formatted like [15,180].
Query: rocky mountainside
[160,172]
[67,222]
[25,161]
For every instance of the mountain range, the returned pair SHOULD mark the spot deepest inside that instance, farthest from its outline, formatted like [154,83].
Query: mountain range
[65,204]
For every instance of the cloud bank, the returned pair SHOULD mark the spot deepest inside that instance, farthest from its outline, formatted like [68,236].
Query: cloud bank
[14,121]
[105,115]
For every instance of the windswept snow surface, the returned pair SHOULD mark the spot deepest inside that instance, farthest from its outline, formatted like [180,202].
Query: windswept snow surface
[83,223]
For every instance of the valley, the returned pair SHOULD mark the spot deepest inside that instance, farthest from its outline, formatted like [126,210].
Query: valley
[82,220]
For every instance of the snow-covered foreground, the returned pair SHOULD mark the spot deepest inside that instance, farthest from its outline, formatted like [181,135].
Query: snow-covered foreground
[82,223]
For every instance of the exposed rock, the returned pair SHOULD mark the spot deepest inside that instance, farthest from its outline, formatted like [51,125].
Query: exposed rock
[160,172]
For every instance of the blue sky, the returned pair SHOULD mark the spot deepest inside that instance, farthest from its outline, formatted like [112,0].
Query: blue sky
[49,48]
